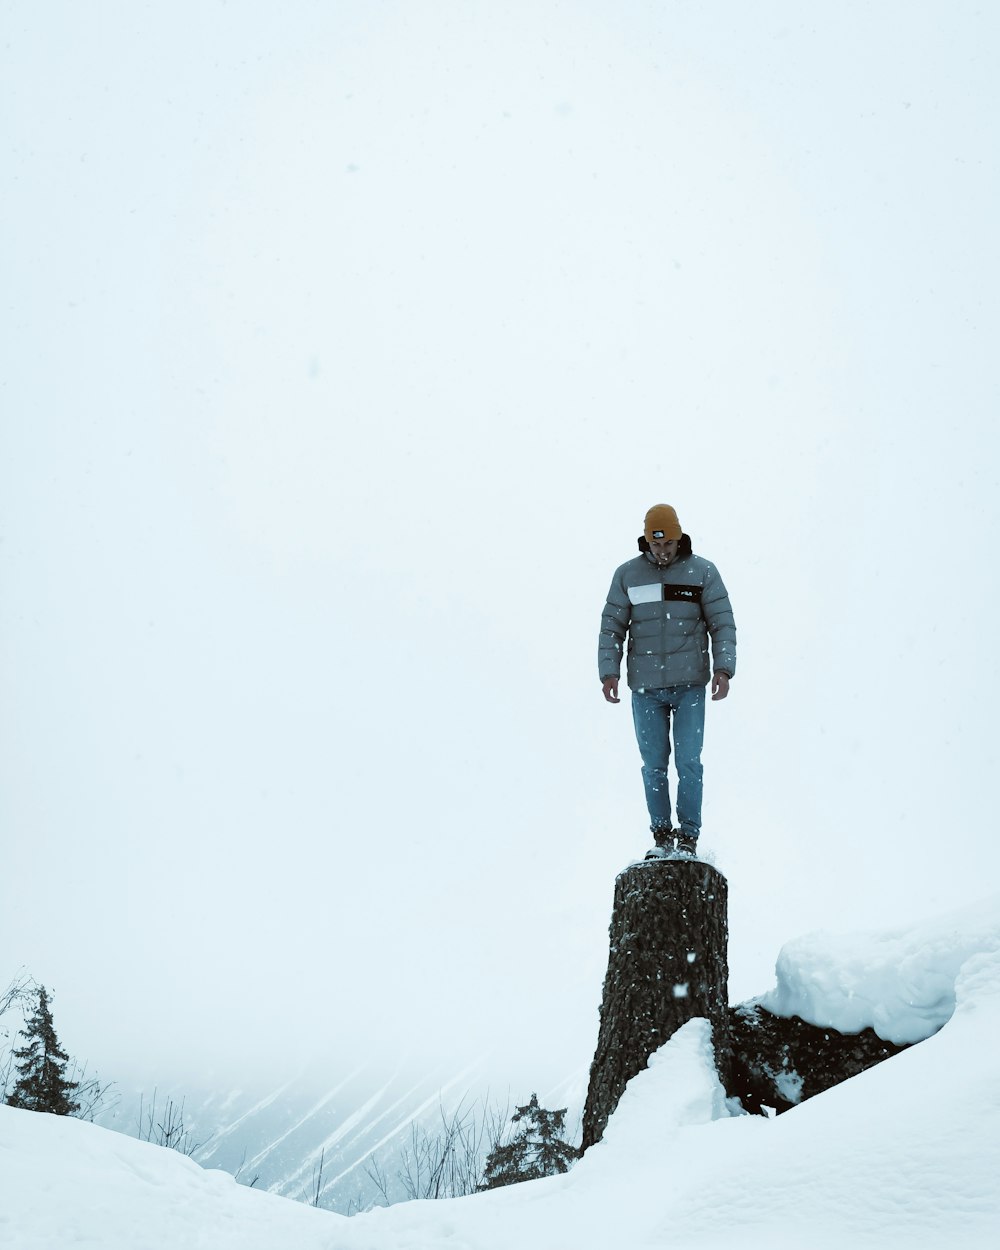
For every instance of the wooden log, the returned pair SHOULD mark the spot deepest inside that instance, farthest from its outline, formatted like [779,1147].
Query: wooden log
[667,964]
[779,1063]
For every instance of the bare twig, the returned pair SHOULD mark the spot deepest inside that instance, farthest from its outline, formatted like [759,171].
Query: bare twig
[239,1171]
[379,1177]
[448,1163]
[93,1095]
[319,1178]
[170,1131]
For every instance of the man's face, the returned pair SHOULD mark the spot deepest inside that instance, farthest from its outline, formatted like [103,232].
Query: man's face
[664,550]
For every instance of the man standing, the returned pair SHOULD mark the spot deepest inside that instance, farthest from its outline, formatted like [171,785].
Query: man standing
[667,602]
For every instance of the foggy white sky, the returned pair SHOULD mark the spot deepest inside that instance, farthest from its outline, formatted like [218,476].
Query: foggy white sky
[345,347]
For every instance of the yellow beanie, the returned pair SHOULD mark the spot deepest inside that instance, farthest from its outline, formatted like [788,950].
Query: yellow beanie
[661,522]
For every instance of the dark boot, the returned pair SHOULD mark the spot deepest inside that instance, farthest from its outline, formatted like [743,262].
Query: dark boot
[687,843]
[663,842]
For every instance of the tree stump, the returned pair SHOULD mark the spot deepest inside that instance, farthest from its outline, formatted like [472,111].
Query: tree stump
[667,965]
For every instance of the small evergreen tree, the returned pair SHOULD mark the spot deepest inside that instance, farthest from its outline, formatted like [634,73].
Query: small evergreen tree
[536,1149]
[41,1066]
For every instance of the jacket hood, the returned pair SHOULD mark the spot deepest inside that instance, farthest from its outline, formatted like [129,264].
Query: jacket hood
[682,551]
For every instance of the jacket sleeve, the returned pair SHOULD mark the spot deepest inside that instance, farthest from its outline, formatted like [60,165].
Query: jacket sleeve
[614,628]
[718,614]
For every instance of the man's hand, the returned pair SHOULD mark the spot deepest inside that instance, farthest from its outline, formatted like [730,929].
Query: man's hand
[720,685]
[610,687]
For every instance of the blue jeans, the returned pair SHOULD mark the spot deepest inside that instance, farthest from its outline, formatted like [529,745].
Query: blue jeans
[651,712]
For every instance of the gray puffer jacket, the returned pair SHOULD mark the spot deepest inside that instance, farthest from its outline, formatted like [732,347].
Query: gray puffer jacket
[667,615]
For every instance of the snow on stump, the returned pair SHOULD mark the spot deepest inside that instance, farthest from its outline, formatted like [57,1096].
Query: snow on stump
[667,964]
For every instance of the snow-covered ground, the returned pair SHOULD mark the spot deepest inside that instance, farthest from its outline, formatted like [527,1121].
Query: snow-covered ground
[907,1154]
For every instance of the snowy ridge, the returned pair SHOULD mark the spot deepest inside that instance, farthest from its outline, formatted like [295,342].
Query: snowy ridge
[260,1106]
[361,1119]
[305,1119]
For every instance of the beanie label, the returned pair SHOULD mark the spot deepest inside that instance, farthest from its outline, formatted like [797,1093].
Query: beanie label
[661,522]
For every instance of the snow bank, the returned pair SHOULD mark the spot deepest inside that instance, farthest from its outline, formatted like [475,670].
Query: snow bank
[64,1182]
[679,1088]
[900,982]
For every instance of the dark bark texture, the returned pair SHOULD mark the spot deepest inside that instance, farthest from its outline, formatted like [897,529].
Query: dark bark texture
[668,963]
[779,1062]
